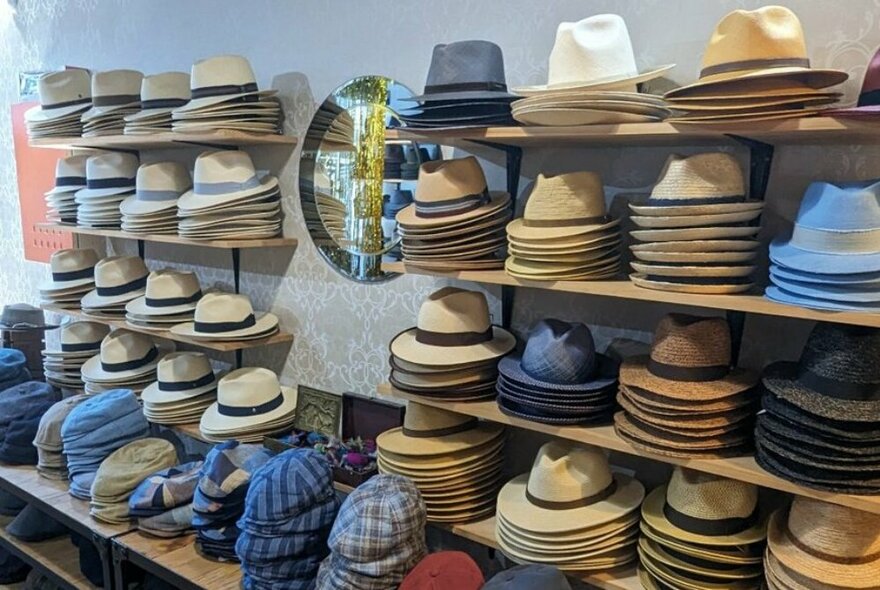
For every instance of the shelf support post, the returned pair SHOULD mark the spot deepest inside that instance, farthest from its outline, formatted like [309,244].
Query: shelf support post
[236,268]
[737,322]
[238,358]
[141,246]
[760,163]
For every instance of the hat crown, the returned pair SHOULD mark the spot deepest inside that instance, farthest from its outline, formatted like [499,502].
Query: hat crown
[568,472]
[448,180]
[163,176]
[64,86]
[183,366]
[871,82]
[843,353]
[401,197]
[117,82]
[844,207]
[454,311]
[167,284]
[224,166]
[112,165]
[115,271]
[702,176]
[704,496]
[593,49]
[84,333]
[22,313]
[222,70]
[690,341]
[121,346]
[166,85]
[466,62]
[71,166]
[223,307]
[834,530]
[422,418]
[573,195]
[248,387]
[73,259]
[559,352]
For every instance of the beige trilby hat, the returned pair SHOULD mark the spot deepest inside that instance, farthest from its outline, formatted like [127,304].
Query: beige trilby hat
[168,292]
[61,93]
[109,174]
[219,79]
[124,355]
[226,316]
[162,93]
[79,339]
[157,188]
[114,90]
[429,431]
[224,177]
[118,279]
[179,377]
[751,45]
[70,174]
[562,206]
[828,543]
[247,400]
[454,327]
[72,267]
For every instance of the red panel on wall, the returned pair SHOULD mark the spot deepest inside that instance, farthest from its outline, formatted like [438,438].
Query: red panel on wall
[35,169]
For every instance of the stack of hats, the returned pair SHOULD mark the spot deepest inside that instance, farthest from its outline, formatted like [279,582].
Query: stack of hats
[115,94]
[394,159]
[73,275]
[229,200]
[63,98]
[445,569]
[185,387]
[378,536]
[821,422]
[152,209]
[455,223]
[250,405]
[696,228]
[409,170]
[289,511]
[223,317]
[565,232]
[453,352]
[224,95]
[118,280]
[591,79]
[219,498]
[831,261]
[78,342]
[21,408]
[51,462]
[162,503]
[466,87]
[529,577]
[70,176]
[110,179]
[755,68]
[570,510]
[127,359]
[868,105]
[160,94]
[170,298]
[392,204]
[559,378]
[95,428]
[454,460]
[702,531]
[23,317]
[684,399]
[815,544]
[122,471]
[13,368]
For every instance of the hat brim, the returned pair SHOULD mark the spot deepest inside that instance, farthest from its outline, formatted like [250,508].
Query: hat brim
[463,95]
[785,253]
[94,193]
[265,322]
[661,447]
[93,371]
[861,279]
[683,209]
[853,293]
[139,307]
[695,233]
[134,206]
[605,375]
[64,190]
[811,78]
[729,554]
[695,219]
[611,83]
[406,347]
[98,112]
[718,574]
[210,101]
[153,395]
[39,115]
[195,203]
[216,423]
[723,258]
[720,288]
[407,216]
[634,371]
[561,117]
[684,270]
[93,300]
[395,441]
[782,295]
[518,230]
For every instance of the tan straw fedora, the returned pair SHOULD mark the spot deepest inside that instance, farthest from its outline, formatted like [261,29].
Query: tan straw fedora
[430,431]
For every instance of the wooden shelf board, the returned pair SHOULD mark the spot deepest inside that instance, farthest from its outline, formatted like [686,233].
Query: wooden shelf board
[165,140]
[739,468]
[169,239]
[279,338]
[190,430]
[625,289]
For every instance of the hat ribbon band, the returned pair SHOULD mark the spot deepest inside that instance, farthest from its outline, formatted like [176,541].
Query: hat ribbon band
[574,221]
[70,181]
[186,385]
[688,374]
[224,90]
[66,103]
[123,289]
[847,390]
[571,504]
[73,275]
[683,202]
[466,87]
[133,364]
[172,301]
[712,528]
[838,242]
[115,99]
[860,560]
[869,98]
[450,207]
[243,411]
[117,182]
[224,188]
[755,64]
[80,346]
[163,103]
[217,327]
[453,338]
[156,196]
[463,427]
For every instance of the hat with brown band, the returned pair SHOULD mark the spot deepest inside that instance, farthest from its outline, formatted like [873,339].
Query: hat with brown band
[430,431]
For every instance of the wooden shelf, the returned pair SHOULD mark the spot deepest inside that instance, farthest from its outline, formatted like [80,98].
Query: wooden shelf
[278,338]
[625,289]
[170,239]
[739,468]
[165,140]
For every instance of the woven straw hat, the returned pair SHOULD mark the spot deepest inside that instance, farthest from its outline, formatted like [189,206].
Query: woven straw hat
[161,94]
[249,400]
[114,90]
[224,316]
[157,188]
[108,175]
[118,279]
[430,431]
[168,292]
[692,569]
[123,355]
[179,377]
[72,267]
[79,339]
[220,79]
[61,94]
[224,177]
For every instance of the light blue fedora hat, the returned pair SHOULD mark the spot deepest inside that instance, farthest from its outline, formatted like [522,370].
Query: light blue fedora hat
[866,280]
[780,295]
[855,293]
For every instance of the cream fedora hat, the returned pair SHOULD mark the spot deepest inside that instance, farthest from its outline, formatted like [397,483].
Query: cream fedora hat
[595,53]
[70,175]
[73,267]
[224,177]
[225,316]
[161,93]
[168,292]
[79,339]
[179,377]
[109,174]
[112,91]
[61,93]
[454,327]
[248,399]
[430,431]
[157,188]
[220,79]
[118,279]
[124,355]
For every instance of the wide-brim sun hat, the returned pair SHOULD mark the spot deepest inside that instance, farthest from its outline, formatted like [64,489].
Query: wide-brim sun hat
[711,286]
[264,323]
[397,441]
[195,200]
[213,421]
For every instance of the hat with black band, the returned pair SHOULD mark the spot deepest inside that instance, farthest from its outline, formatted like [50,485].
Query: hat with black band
[118,279]
[221,79]
[124,355]
[180,376]
[227,316]
[168,292]
[249,400]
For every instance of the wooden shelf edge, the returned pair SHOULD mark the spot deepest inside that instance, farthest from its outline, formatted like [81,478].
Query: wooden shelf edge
[279,242]
[169,139]
[58,558]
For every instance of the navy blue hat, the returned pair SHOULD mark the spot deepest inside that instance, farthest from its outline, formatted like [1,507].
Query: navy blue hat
[398,200]
[10,504]
[529,577]
[21,408]
[12,569]
[13,368]
[32,526]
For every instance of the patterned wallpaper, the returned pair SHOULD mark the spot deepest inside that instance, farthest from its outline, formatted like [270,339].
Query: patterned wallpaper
[308,48]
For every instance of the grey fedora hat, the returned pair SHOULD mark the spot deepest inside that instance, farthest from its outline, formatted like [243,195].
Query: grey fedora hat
[21,317]
[465,70]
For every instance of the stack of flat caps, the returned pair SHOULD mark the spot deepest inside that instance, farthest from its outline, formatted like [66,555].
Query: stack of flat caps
[160,94]
[591,79]
[110,179]
[127,359]
[95,428]
[224,317]
[21,408]
[73,275]
[285,527]
[529,577]
[13,368]
[702,531]
[63,98]
[755,68]
[832,259]
[466,87]
[454,460]
[185,387]
[570,511]
[559,378]
[115,94]
[445,569]
[453,352]
[70,176]
[152,209]
[79,341]
[378,536]
[219,499]
[815,544]
[51,461]
[685,400]
[250,405]
[565,232]
[821,422]
[455,223]
[224,95]
[118,280]
[229,200]
[697,229]
[159,500]
[122,471]
[170,298]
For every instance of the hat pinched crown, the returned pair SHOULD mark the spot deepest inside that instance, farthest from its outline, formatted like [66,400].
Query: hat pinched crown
[703,178]
[707,504]
[841,361]
[466,66]
[65,88]
[567,475]
[423,421]
[117,275]
[559,352]
[690,348]
[832,531]
[83,336]
[594,49]
[123,350]
[839,218]
[574,198]
[454,317]
[450,187]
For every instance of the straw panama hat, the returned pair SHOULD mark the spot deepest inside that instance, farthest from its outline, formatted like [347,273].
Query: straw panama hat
[219,79]
[692,568]
[118,279]
[226,316]
[157,188]
[248,399]
[161,94]
[124,355]
[108,175]
[114,90]
[181,376]
[224,177]
[79,339]
[428,431]
[61,93]
[168,292]
[73,267]
[70,175]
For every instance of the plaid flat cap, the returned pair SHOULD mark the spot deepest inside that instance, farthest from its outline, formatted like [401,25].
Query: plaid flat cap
[165,490]
[174,523]
[224,481]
